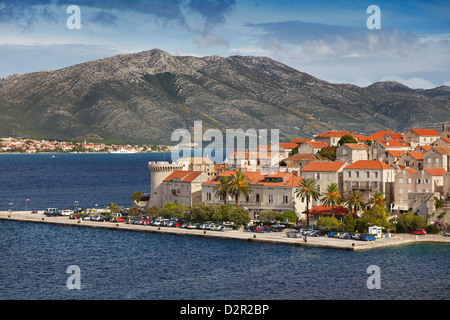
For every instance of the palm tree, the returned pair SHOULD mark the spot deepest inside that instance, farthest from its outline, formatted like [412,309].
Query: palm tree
[223,188]
[355,201]
[332,197]
[307,189]
[378,199]
[239,184]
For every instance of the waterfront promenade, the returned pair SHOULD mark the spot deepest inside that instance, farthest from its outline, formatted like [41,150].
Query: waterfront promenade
[272,237]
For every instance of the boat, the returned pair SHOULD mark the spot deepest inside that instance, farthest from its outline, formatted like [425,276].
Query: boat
[122,150]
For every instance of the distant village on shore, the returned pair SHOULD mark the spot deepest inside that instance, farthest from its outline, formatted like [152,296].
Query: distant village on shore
[25,145]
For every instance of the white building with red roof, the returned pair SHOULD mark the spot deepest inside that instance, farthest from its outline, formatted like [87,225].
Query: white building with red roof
[421,137]
[267,191]
[352,152]
[368,176]
[410,180]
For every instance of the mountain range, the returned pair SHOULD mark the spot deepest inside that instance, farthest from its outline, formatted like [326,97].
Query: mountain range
[143,97]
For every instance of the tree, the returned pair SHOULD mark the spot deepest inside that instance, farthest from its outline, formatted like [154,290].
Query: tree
[153,211]
[223,188]
[114,208]
[379,213]
[137,196]
[355,201]
[408,222]
[239,185]
[328,152]
[307,188]
[332,197]
[267,215]
[239,216]
[201,212]
[378,199]
[172,210]
[328,223]
[289,214]
[221,213]
[349,223]
[346,139]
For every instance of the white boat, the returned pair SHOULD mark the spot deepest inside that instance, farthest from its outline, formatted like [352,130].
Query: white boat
[122,150]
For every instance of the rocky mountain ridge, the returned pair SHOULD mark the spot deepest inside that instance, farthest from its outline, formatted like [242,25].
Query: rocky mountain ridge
[145,96]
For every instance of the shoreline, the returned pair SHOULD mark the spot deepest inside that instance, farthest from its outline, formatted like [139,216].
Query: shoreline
[271,238]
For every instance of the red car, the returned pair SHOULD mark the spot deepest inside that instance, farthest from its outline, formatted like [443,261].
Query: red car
[420,231]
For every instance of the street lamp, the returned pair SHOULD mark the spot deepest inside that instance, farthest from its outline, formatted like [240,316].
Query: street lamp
[10,207]
[76,206]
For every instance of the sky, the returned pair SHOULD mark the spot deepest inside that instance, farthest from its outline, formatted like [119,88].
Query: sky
[332,40]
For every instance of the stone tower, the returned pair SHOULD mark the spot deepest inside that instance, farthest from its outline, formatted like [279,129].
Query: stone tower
[158,172]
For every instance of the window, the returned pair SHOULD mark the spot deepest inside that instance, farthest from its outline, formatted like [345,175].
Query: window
[349,174]
[329,176]
[285,199]
[357,174]
[257,197]
[368,174]
[208,196]
[376,174]
[408,181]
[426,181]
[270,198]
[400,180]
[436,160]
[429,160]
[400,191]
[318,175]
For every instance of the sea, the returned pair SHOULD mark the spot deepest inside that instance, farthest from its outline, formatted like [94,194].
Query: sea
[55,262]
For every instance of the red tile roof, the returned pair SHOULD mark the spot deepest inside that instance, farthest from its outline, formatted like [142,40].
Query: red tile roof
[317,144]
[184,176]
[442,150]
[300,140]
[288,179]
[425,132]
[368,164]
[338,211]
[357,146]
[288,145]
[379,135]
[416,155]
[396,153]
[324,166]
[436,171]
[393,143]
[334,134]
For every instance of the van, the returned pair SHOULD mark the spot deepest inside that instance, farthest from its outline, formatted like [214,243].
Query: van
[66,212]
[52,212]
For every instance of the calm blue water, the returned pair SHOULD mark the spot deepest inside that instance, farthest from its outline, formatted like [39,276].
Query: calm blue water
[61,180]
[130,266]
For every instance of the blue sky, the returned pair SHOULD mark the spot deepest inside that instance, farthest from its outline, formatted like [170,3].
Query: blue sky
[327,39]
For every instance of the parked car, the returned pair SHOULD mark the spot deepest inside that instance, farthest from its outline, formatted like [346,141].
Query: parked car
[66,212]
[52,212]
[294,234]
[447,234]
[420,231]
[368,237]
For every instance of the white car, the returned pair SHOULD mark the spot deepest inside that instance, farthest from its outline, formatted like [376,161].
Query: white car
[66,212]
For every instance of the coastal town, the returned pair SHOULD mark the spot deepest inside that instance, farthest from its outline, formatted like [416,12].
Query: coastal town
[31,146]
[336,174]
